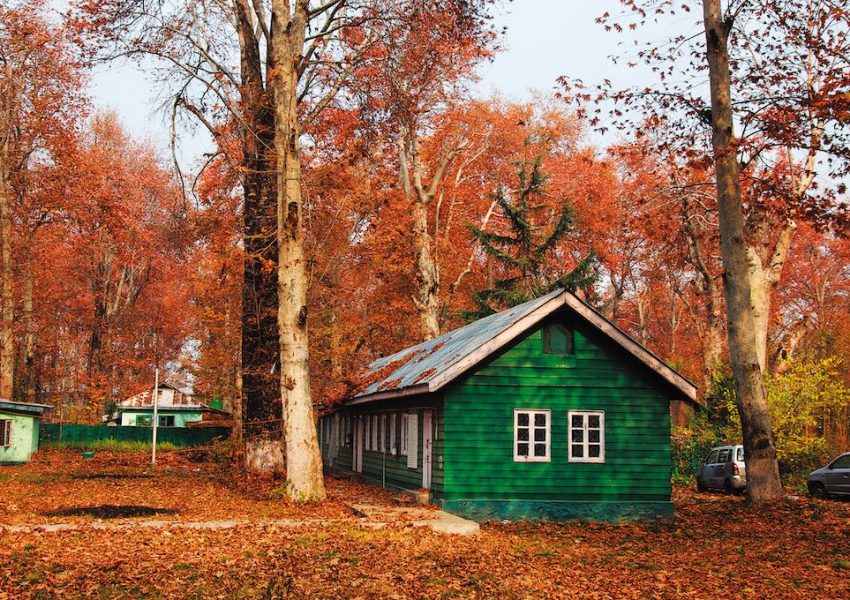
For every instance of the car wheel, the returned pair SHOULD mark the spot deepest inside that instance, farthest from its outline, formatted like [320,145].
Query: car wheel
[818,490]
[700,485]
[727,487]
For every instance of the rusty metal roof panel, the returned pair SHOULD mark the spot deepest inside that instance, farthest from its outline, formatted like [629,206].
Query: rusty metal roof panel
[424,363]
[430,365]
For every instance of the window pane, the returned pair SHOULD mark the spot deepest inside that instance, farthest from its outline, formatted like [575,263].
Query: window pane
[578,451]
[522,434]
[539,435]
[593,420]
[578,435]
[522,419]
[557,339]
[539,449]
[540,420]
[522,449]
[593,450]
[578,421]
[593,435]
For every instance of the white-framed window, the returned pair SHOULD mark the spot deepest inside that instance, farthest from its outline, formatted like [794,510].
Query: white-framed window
[5,432]
[586,436]
[403,446]
[531,435]
[393,449]
[375,433]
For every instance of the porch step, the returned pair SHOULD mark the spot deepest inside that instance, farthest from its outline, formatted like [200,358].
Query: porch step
[377,517]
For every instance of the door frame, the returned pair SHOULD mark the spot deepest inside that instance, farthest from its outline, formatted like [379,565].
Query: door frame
[427,447]
[357,454]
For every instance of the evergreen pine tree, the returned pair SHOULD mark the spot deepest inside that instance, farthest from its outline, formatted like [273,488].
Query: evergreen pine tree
[524,251]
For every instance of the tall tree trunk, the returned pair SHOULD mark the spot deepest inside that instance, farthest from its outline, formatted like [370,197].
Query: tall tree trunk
[28,371]
[261,409]
[765,271]
[411,177]
[759,450]
[427,298]
[7,300]
[303,458]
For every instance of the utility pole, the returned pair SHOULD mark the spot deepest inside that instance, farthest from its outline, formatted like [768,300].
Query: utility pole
[155,417]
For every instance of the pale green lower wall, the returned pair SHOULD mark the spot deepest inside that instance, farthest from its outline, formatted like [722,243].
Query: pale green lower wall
[24,438]
[128,418]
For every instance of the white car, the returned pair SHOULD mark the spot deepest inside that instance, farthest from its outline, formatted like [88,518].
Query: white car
[723,469]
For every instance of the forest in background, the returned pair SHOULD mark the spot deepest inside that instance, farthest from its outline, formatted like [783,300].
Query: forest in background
[113,262]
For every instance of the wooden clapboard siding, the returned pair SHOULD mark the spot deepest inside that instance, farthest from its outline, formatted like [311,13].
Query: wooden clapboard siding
[479,422]
[386,467]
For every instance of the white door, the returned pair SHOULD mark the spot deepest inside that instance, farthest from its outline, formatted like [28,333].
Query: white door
[358,446]
[427,444]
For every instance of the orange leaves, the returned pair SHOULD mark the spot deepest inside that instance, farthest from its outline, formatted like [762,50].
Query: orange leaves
[792,548]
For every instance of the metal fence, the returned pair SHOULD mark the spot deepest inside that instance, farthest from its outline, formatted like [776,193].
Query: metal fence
[179,436]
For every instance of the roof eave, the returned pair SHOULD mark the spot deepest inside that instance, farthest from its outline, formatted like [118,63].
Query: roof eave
[414,390]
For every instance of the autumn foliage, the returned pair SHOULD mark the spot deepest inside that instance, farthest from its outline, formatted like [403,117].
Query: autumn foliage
[112,264]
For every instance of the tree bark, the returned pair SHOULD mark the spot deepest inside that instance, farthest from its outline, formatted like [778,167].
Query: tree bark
[261,408]
[763,482]
[303,458]
[427,298]
[7,300]
[28,371]
[764,274]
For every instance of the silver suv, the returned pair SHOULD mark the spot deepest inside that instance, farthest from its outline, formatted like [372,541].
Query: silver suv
[723,469]
[833,479]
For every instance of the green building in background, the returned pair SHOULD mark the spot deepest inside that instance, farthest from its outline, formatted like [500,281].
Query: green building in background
[19,428]
[546,411]
[176,407]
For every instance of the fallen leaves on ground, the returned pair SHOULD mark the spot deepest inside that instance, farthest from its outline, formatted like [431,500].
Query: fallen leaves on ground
[716,547]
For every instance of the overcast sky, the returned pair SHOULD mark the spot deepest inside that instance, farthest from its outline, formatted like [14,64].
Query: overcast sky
[545,39]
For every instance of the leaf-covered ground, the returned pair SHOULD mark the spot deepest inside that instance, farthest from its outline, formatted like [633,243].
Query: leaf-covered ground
[716,547]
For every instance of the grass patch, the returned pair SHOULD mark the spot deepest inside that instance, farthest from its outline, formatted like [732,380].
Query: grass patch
[110,445]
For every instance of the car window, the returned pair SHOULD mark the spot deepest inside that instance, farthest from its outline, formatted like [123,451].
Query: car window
[740,457]
[711,458]
[724,456]
[842,463]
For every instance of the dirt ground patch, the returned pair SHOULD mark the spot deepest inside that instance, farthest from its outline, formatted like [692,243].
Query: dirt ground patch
[715,548]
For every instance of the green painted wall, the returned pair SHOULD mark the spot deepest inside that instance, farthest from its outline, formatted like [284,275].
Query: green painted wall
[24,438]
[386,468]
[479,428]
[129,416]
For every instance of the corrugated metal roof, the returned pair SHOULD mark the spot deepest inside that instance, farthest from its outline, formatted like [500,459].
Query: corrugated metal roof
[423,363]
[23,407]
[430,365]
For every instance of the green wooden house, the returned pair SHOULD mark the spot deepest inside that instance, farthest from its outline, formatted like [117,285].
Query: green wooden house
[545,411]
[19,428]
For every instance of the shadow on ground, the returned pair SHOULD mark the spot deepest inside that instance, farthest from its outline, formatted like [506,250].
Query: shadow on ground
[109,511]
